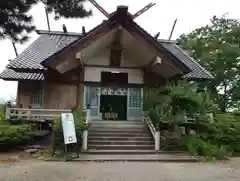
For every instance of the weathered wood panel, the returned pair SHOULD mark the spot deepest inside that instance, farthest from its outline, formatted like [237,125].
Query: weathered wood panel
[102,58]
[59,96]
[71,77]
[151,79]
[60,91]
[26,89]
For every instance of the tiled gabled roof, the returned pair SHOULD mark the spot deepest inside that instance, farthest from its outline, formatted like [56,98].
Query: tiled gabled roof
[9,74]
[42,48]
[48,44]
[198,72]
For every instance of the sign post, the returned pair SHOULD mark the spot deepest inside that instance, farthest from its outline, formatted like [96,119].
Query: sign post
[69,132]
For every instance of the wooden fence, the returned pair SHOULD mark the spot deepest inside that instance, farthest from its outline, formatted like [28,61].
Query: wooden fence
[34,114]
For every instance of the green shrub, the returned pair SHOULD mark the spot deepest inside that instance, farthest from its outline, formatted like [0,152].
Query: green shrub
[58,134]
[13,136]
[197,146]
[225,130]
[2,112]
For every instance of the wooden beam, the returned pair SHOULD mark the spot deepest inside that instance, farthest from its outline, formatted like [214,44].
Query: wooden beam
[141,11]
[82,43]
[154,62]
[152,44]
[67,65]
[107,66]
[79,58]
[100,8]
[173,27]
[116,43]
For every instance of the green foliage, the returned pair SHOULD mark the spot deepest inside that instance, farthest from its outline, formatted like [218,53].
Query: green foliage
[79,119]
[225,130]
[58,131]
[2,112]
[216,47]
[197,146]
[13,136]
[58,134]
[217,139]
[171,103]
[15,21]
[226,124]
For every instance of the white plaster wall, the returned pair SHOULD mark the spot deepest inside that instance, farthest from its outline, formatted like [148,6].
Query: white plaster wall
[103,58]
[93,74]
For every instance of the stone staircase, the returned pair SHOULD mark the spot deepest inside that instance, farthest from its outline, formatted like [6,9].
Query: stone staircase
[125,141]
[119,136]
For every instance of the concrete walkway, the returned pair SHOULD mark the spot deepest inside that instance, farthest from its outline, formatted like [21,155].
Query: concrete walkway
[118,171]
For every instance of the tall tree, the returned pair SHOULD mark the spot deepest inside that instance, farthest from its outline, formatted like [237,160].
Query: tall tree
[217,47]
[16,22]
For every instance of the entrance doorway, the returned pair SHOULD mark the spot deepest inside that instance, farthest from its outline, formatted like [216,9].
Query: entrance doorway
[113,107]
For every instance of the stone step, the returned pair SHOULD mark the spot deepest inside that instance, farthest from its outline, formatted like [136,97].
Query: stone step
[116,122]
[126,142]
[119,135]
[122,134]
[118,131]
[121,138]
[120,147]
[137,157]
[151,151]
[117,127]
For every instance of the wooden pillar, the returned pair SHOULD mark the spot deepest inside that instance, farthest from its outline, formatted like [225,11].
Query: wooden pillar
[18,95]
[80,89]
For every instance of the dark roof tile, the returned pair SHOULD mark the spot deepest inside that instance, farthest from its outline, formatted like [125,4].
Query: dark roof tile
[49,44]
[198,72]
[9,74]
[42,48]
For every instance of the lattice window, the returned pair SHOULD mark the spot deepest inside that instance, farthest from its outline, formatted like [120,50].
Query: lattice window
[36,99]
[92,94]
[135,99]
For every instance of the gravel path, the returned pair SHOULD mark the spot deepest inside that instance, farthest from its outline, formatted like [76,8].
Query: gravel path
[117,171]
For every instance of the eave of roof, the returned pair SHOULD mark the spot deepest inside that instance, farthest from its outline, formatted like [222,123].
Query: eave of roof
[11,75]
[46,32]
[50,44]
[85,37]
[198,72]
[124,19]
[161,48]
[43,47]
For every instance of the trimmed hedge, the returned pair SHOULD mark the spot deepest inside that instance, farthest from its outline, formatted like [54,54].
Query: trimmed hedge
[14,136]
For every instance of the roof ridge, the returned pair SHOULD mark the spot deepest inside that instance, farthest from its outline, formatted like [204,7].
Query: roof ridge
[58,33]
[166,41]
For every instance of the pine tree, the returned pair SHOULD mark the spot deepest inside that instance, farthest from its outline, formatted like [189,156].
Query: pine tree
[16,23]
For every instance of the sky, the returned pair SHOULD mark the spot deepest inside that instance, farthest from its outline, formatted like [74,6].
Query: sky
[191,14]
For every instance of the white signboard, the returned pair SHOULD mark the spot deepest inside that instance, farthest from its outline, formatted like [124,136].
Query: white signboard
[68,126]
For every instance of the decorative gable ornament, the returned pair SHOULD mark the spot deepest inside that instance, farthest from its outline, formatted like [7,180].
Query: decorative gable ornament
[138,13]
